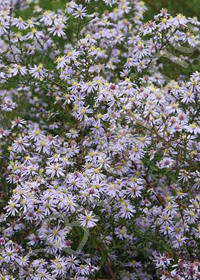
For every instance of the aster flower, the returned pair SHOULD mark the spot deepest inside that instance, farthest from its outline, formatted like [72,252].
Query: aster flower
[55,170]
[166,162]
[193,128]
[18,122]
[20,145]
[162,261]
[126,210]
[57,29]
[88,219]
[18,69]
[59,266]
[80,12]
[12,208]
[37,71]
[179,241]
[19,23]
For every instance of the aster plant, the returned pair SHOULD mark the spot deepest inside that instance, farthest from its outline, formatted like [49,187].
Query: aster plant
[99,152]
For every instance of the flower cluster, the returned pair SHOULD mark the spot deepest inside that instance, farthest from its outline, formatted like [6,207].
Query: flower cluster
[99,150]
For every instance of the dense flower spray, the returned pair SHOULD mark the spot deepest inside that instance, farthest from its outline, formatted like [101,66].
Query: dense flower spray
[99,148]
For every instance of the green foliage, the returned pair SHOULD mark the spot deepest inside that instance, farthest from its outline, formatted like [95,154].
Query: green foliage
[188,8]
